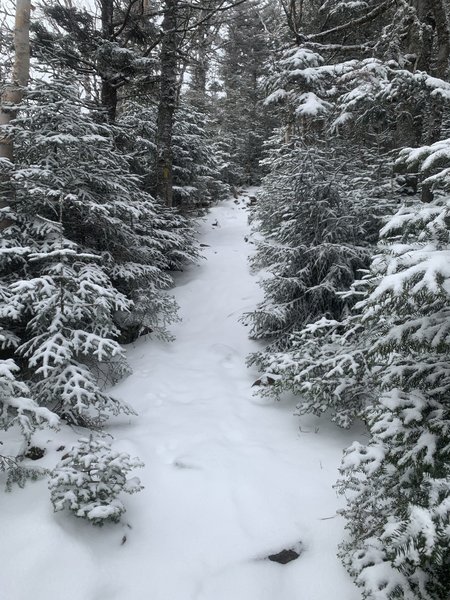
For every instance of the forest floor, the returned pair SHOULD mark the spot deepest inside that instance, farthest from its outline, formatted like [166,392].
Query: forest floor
[229,479]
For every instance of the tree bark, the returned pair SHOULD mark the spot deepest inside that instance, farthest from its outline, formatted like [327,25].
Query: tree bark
[439,66]
[108,90]
[13,93]
[443,38]
[432,46]
[12,96]
[200,71]
[167,103]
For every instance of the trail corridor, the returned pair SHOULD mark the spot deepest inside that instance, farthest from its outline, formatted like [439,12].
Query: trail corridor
[229,478]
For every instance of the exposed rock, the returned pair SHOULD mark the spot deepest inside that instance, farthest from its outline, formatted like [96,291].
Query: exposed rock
[284,557]
[34,453]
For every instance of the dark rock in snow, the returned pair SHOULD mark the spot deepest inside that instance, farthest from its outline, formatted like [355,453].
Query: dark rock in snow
[284,557]
[34,453]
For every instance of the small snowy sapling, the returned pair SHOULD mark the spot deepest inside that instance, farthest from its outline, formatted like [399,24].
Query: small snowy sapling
[89,479]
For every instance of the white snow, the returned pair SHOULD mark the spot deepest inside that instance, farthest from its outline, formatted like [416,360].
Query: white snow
[312,105]
[229,478]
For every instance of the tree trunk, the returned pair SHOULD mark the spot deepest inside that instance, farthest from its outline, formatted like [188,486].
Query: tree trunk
[13,94]
[199,78]
[108,90]
[439,67]
[167,104]
[443,38]
[109,100]
[200,70]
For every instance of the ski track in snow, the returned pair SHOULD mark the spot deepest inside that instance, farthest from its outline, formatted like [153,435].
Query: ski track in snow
[229,478]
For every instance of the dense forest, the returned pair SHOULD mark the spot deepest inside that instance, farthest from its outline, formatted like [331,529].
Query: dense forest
[122,122]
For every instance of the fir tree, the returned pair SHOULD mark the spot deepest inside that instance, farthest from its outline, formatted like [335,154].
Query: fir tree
[196,167]
[105,210]
[242,121]
[17,409]
[398,512]
[89,479]
[94,250]
[310,245]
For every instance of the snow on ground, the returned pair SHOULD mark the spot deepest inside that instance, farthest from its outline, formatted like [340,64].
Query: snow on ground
[229,478]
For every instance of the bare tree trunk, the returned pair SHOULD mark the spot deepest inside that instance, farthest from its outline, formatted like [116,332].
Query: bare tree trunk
[443,38]
[167,104]
[199,78]
[200,69]
[440,65]
[108,90]
[430,43]
[13,94]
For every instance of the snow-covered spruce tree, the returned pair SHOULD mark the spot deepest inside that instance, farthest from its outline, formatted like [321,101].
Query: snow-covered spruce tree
[196,167]
[309,248]
[89,479]
[68,309]
[363,102]
[326,366]
[106,210]
[58,305]
[96,250]
[324,357]
[241,121]
[18,411]
[399,502]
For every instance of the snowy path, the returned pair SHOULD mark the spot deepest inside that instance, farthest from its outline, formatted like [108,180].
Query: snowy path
[228,480]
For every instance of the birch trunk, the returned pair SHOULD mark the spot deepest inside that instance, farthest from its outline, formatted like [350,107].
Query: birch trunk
[12,96]
[13,93]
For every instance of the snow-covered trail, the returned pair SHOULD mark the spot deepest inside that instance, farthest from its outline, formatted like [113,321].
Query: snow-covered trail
[229,478]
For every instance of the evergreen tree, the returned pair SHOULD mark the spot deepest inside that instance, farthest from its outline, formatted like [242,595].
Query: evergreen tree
[386,361]
[89,479]
[310,244]
[94,254]
[197,179]
[243,123]
[398,512]
[17,409]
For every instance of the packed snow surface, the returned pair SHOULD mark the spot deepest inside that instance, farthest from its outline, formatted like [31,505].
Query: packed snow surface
[229,478]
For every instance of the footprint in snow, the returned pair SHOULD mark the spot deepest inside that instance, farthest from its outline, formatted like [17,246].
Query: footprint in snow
[180,463]
[226,354]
